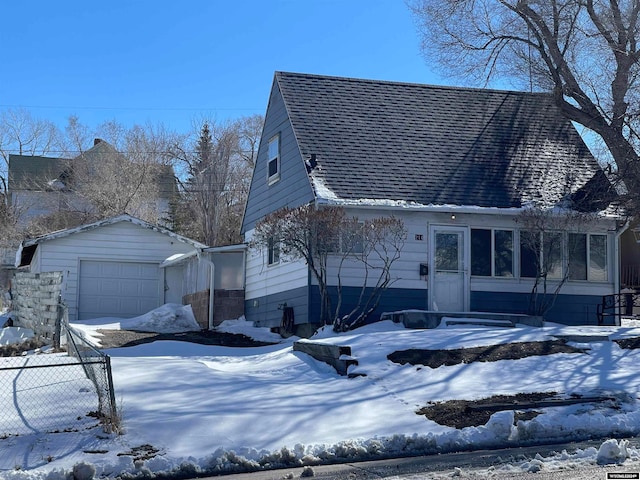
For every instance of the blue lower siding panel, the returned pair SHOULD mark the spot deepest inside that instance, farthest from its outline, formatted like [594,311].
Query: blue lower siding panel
[392,299]
[567,309]
[267,311]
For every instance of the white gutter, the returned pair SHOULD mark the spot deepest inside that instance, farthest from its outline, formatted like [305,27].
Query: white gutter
[226,248]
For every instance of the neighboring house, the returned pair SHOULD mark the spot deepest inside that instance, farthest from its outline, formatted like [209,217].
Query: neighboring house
[457,165]
[630,258]
[111,268]
[38,185]
[41,186]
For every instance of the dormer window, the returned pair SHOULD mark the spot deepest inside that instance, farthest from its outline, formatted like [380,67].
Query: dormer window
[273,166]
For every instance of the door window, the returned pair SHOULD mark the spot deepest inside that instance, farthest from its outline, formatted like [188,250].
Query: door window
[447,256]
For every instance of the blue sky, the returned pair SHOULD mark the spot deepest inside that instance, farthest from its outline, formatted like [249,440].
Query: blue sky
[172,62]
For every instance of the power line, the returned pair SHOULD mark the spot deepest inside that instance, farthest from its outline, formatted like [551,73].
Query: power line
[172,109]
[123,152]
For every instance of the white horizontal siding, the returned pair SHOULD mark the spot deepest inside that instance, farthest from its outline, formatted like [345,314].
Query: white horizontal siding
[405,270]
[263,279]
[123,241]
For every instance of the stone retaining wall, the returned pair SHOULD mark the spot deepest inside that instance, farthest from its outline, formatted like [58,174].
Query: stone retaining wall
[36,299]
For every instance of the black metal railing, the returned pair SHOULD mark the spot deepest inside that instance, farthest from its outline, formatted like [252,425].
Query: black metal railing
[615,306]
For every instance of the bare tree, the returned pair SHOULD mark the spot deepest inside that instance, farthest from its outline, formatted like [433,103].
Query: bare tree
[214,177]
[112,184]
[76,137]
[548,241]
[20,134]
[206,183]
[132,172]
[249,133]
[584,51]
[317,235]
[23,134]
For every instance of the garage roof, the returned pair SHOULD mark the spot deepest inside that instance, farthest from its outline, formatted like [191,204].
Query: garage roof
[28,247]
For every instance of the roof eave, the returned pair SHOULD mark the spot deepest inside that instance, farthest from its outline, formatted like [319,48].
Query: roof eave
[402,205]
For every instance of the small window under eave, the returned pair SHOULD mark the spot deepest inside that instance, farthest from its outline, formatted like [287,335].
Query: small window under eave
[26,255]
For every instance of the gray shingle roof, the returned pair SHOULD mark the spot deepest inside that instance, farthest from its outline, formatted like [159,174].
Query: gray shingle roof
[435,145]
[29,172]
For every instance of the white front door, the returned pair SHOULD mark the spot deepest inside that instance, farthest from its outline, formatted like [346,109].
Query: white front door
[449,259]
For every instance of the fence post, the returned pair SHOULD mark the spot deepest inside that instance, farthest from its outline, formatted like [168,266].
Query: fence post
[112,394]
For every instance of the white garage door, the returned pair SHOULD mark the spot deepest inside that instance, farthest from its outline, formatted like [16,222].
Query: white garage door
[117,289]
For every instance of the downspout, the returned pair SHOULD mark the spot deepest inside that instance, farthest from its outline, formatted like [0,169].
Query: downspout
[212,282]
[616,246]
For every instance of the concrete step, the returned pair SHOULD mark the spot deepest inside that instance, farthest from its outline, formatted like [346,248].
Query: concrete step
[338,356]
[433,318]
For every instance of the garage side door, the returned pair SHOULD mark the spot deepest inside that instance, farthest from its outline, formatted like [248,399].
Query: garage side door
[117,289]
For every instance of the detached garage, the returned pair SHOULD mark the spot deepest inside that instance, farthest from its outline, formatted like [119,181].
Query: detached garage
[111,267]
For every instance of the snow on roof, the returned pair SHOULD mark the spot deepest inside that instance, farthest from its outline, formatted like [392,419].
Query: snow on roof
[325,196]
[431,144]
[110,221]
[179,258]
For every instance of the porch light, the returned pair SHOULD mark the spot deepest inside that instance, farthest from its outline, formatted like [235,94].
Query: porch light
[453,217]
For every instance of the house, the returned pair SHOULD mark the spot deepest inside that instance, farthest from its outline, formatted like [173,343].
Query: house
[458,166]
[39,186]
[111,268]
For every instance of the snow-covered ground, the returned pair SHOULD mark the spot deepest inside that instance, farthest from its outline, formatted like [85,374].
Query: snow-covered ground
[211,408]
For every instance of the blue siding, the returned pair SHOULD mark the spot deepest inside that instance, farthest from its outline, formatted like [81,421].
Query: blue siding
[567,309]
[392,299]
[265,311]
[294,187]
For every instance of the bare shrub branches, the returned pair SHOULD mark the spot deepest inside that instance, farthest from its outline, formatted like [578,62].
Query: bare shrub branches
[328,240]
[546,241]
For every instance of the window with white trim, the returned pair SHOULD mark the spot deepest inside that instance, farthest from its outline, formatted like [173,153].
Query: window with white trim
[579,256]
[273,251]
[352,239]
[587,257]
[273,164]
[491,252]
[541,254]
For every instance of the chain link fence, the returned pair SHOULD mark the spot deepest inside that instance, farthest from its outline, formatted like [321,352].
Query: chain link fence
[97,368]
[56,392]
